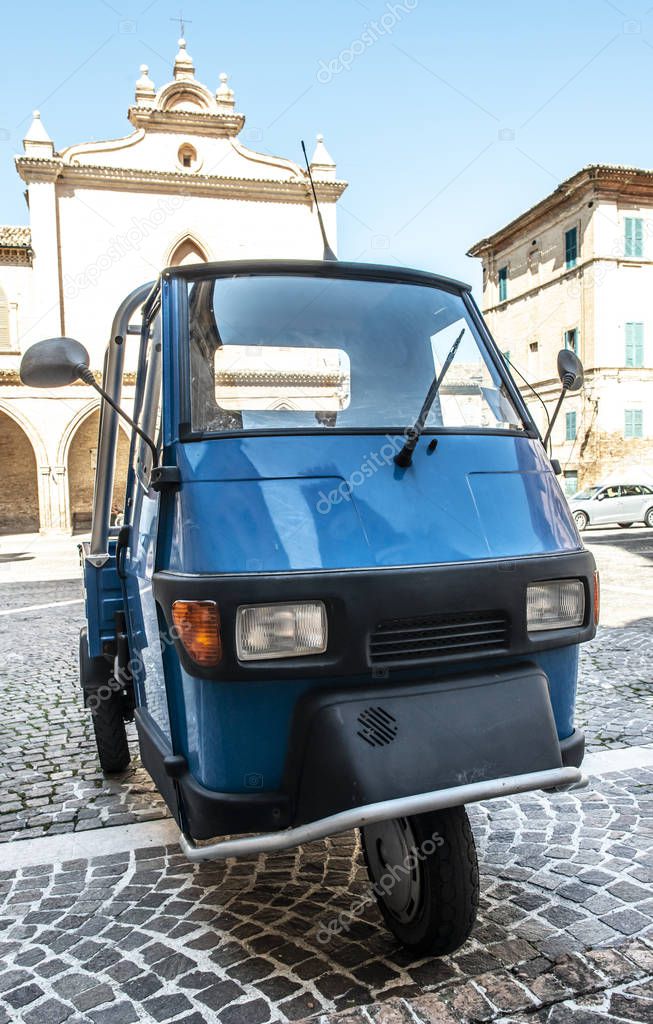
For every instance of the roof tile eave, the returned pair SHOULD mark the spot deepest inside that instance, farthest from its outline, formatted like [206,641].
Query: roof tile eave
[584,176]
[15,236]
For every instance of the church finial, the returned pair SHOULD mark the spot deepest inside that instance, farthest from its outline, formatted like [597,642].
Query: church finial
[224,95]
[322,163]
[37,141]
[184,67]
[145,89]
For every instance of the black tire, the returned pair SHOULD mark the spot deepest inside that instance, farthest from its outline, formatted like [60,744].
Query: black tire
[107,709]
[648,517]
[624,526]
[431,907]
[582,520]
[110,733]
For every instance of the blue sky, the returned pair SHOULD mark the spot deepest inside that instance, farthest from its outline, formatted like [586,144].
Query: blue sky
[446,118]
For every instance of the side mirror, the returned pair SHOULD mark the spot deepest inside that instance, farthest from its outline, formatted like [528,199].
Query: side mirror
[570,370]
[53,363]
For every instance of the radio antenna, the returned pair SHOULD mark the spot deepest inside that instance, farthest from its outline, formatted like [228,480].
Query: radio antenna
[328,253]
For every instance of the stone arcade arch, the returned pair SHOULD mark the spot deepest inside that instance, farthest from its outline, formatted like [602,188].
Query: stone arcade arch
[80,463]
[19,493]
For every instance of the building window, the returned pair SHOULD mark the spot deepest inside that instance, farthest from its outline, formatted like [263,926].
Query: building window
[634,237]
[570,426]
[571,248]
[634,344]
[503,284]
[571,339]
[634,423]
[571,481]
[187,156]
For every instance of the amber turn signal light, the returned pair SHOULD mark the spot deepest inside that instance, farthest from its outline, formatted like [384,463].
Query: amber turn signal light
[597,597]
[198,628]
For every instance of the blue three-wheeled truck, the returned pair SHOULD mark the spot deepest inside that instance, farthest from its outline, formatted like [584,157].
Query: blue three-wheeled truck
[348,591]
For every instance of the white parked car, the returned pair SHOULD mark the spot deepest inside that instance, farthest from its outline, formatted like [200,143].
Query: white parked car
[623,504]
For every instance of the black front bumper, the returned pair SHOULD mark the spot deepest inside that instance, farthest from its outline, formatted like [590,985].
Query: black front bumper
[356,746]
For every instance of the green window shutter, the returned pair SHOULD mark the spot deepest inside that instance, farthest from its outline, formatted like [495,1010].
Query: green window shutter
[634,237]
[633,423]
[639,344]
[634,344]
[570,426]
[571,247]
[639,237]
[638,422]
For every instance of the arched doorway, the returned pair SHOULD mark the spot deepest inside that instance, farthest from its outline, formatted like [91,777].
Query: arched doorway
[82,456]
[19,490]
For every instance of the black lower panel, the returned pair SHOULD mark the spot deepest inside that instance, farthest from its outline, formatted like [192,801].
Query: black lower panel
[351,747]
[572,749]
[205,813]
[356,747]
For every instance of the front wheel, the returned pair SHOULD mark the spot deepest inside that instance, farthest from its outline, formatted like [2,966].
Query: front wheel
[581,519]
[424,874]
[648,517]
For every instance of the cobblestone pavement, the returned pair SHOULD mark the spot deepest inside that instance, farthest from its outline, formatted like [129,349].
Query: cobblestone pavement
[148,936]
[50,780]
[565,931]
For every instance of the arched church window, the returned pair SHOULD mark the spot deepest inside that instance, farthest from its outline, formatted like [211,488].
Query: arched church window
[187,251]
[187,156]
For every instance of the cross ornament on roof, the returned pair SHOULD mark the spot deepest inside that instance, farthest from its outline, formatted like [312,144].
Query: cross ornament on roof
[182,24]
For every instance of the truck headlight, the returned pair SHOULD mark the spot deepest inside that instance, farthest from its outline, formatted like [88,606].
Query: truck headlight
[555,604]
[280,630]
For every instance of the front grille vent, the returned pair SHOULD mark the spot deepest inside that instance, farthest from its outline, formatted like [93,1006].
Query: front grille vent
[377,726]
[438,636]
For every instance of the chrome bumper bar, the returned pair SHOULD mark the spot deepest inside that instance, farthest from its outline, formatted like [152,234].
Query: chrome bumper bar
[356,817]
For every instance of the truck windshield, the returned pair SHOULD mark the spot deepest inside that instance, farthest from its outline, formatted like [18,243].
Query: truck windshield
[295,352]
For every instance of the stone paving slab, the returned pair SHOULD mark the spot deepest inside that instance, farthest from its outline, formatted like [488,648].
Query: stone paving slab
[565,927]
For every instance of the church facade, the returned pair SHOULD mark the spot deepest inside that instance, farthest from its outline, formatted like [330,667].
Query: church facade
[105,217]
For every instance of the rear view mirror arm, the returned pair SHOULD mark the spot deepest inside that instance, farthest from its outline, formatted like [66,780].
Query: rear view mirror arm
[87,376]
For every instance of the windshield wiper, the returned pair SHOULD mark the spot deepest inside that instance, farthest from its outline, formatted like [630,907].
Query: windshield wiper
[413,434]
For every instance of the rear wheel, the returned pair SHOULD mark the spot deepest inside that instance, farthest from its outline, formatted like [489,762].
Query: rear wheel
[581,519]
[108,706]
[425,877]
[648,517]
[110,734]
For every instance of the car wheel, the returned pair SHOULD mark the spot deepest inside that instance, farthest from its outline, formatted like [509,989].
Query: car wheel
[648,517]
[624,526]
[425,877]
[581,519]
